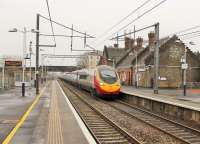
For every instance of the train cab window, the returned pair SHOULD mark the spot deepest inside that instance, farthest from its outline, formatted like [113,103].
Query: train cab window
[83,77]
[108,76]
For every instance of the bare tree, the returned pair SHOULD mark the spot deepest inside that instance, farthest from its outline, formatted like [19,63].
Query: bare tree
[82,62]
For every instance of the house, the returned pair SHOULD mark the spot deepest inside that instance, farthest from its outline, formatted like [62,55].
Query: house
[121,58]
[135,63]
[89,60]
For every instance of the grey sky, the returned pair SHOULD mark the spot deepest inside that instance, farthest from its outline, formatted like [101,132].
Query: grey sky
[92,16]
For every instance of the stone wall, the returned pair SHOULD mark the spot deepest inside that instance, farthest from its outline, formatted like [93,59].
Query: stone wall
[170,72]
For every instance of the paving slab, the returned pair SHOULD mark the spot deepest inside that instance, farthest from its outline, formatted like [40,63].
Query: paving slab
[12,107]
[51,121]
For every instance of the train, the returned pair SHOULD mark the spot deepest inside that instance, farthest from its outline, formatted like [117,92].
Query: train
[102,81]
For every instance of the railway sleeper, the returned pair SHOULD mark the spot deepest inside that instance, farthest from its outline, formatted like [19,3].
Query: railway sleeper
[183,135]
[193,137]
[99,132]
[96,123]
[111,138]
[93,120]
[109,135]
[172,129]
[90,115]
[195,141]
[176,130]
[169,126]
[101,127]
[124,141]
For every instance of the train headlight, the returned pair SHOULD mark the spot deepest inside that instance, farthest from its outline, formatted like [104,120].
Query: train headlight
[118,84]
[101,84]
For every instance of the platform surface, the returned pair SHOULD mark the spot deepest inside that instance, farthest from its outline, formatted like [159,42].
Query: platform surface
[51,121]
[12,107]
[170,96]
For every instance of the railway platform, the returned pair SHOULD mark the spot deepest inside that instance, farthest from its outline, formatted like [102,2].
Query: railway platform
[51,120]
[12,107]
[170,102]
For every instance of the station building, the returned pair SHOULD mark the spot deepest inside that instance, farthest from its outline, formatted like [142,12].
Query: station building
[135,63]
[11,73]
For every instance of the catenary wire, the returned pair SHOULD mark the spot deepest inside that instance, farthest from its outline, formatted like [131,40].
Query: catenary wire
[62,25]
[189,33]
[50,21]
[140,16]
[124,18]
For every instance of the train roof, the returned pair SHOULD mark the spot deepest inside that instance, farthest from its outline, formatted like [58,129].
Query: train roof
[89,71]
[104,67]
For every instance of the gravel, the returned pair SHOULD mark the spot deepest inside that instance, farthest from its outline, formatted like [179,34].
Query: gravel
[142,131]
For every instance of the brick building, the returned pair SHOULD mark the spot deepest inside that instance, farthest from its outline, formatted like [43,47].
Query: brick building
[134,63]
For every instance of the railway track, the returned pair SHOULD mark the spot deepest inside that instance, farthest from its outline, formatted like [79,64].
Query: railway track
[103,130]
[177,130]
[183,133]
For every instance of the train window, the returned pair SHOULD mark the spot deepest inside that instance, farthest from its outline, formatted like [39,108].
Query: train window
[108,76]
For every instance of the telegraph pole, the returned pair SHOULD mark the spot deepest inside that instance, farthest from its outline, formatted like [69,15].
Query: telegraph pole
[37,53]
[3,73]
[156,59]
[136,61]
[184,72]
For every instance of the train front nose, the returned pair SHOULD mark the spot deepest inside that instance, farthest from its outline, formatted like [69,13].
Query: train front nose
[110,88]
[108,82]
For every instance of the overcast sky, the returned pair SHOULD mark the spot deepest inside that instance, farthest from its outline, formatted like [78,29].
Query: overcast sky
[93,17]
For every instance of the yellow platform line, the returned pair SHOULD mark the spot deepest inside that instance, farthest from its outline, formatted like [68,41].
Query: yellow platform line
[23,118]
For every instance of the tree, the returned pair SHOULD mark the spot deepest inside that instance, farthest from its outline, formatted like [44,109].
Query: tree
[197,54]
[82,62]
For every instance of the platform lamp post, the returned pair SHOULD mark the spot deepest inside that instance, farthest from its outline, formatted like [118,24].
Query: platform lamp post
[24,31]
[42,66]
[37,54]
[3,71]
[30,52]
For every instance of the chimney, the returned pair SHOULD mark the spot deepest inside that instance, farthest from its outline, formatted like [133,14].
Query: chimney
[152,40]
[127,42]
[139,42]
[116,45]
[132,43]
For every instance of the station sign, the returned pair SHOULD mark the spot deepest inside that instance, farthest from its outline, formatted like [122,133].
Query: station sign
[162,78]
[141,69]
[184,66]
[10,63]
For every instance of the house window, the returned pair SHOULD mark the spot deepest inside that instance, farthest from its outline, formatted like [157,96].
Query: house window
[18,77]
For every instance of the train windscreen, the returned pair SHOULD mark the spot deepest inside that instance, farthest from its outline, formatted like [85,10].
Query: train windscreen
[108,76]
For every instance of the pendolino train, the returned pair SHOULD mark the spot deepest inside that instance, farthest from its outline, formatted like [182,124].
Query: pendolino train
[102,81]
